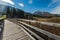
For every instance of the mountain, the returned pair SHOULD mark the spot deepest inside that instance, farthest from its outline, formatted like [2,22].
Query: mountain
[43,14]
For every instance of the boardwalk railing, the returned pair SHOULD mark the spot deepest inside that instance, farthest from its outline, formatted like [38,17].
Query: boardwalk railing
[42,33]
[44,23]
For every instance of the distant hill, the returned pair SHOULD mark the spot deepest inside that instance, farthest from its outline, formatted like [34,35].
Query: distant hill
[45,14]
[42,14]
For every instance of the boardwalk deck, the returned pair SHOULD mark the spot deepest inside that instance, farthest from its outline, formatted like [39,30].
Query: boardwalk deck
[14,32]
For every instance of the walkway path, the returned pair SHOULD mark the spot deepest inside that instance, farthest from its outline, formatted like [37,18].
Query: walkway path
[14,32]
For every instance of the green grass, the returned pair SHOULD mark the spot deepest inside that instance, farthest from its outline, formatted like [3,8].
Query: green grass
[2,17]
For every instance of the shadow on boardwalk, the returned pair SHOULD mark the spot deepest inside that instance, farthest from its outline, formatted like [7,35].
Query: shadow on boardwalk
[1,29]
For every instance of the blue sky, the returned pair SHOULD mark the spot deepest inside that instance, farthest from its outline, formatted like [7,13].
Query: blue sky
[52,6]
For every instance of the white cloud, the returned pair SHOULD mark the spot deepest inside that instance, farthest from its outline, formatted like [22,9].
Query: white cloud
[8,1]
[21,4]
[30,1]
[52,2]
[56,10]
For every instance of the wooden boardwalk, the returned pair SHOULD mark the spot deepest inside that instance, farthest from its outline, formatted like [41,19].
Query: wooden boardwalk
[14,32]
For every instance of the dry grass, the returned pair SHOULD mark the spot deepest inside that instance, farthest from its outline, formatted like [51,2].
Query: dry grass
[53,19]
[40,19]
